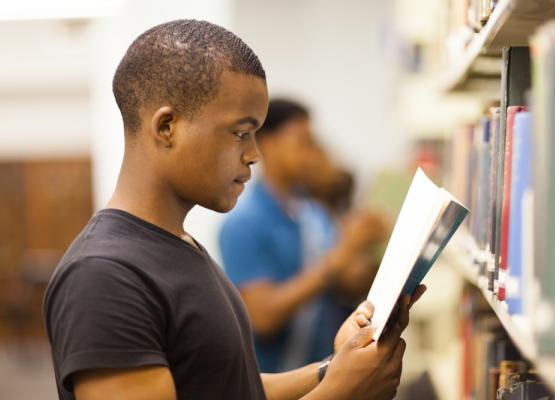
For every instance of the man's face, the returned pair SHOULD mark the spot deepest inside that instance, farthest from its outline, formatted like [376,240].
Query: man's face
[294,152]
[212,155]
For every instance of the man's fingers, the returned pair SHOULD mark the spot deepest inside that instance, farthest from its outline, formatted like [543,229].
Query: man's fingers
[403,313]
[363,338]
[388,340]
[362,321]
[366,308]
[417,294]
[399,351]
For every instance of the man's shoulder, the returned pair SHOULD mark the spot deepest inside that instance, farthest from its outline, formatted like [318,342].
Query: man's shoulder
[101,251]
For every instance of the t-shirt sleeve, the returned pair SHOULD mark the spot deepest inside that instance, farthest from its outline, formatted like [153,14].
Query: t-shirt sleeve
[242,253]
[101,314]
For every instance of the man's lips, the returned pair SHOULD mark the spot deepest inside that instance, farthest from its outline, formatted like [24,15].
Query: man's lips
[242,179]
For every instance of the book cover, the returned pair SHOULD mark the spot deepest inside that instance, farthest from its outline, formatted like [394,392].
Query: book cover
[520,185]
[428,219]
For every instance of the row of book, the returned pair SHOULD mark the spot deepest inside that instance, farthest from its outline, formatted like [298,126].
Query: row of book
[503,168]
[492,174]
[492,367]
[500,199]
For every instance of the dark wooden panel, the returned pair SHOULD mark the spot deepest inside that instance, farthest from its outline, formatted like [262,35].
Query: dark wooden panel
[58,202]
[12,216]
[44,204]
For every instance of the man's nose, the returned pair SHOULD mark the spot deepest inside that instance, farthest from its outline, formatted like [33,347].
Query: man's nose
[252,154]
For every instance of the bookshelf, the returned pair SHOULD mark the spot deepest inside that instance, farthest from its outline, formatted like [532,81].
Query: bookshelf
[511,23]
[517,327]
[474,71]
[476,61]
[460,256]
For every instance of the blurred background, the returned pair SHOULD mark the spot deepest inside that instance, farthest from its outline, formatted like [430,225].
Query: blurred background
[366,69]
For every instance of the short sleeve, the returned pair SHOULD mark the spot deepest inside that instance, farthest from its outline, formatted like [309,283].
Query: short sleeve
[102,314]
[242,253]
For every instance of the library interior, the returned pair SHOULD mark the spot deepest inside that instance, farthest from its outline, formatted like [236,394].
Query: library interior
[391,144]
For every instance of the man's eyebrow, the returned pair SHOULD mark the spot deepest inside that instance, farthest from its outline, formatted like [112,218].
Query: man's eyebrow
[248,120]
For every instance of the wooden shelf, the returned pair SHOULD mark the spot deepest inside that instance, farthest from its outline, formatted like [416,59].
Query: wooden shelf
[517,327]
[511,24]
[460,256]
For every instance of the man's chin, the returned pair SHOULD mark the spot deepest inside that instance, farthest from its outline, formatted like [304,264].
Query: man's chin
[222,205]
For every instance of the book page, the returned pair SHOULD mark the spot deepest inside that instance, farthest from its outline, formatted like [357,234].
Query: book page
[419,213]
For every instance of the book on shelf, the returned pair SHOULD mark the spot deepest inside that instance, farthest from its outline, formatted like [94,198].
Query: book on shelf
[428,219]
[524,386]
[487,352]
[476,167]
[482,174]
[543,52]
[520,214]
[515,83]
[495,116]
[504,168]
[506,205]
[482,144]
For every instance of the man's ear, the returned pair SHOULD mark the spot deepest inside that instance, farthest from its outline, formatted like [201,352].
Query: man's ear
[163,125]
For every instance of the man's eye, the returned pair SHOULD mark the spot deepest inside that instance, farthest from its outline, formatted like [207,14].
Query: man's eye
[242,135]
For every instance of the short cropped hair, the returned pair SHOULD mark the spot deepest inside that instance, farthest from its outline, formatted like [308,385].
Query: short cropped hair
[281,111]
[178,63]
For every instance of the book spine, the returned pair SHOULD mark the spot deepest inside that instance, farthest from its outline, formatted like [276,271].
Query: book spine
[495,125]
[506,202]
[520,184]
[483,182]
[499,153]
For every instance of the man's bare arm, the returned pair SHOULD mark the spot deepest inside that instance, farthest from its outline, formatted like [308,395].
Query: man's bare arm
[143,383]
[271,304]
[290,385]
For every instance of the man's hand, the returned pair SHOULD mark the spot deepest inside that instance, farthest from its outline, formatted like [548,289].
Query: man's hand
[359,230]
[364,369]
[361,316]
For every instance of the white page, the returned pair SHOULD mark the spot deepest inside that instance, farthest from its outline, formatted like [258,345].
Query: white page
[420,211]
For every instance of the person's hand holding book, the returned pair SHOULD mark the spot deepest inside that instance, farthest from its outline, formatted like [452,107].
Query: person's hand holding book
[361,367]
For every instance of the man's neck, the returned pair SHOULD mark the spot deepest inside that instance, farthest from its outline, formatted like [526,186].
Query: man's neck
[283,190]
[281,187]
[141,193]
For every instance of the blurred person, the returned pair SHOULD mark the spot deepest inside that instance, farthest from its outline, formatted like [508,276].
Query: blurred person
[136,308]
[298,276]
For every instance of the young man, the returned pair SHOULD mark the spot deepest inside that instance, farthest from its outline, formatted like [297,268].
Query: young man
[136,308]
[296,274]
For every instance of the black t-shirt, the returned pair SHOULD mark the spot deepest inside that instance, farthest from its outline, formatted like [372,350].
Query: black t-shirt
[128,293]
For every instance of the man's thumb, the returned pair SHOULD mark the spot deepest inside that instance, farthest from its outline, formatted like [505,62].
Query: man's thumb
[363,338]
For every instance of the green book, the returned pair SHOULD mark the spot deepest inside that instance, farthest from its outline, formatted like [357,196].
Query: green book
[544,182]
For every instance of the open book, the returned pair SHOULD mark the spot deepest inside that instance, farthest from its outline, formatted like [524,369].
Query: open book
[428,219]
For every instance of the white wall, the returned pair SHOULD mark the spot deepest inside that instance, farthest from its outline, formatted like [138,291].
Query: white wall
[55,80]
[333,56]
[44,105]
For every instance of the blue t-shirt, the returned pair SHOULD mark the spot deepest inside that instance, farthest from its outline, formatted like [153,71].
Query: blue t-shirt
[261,241]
